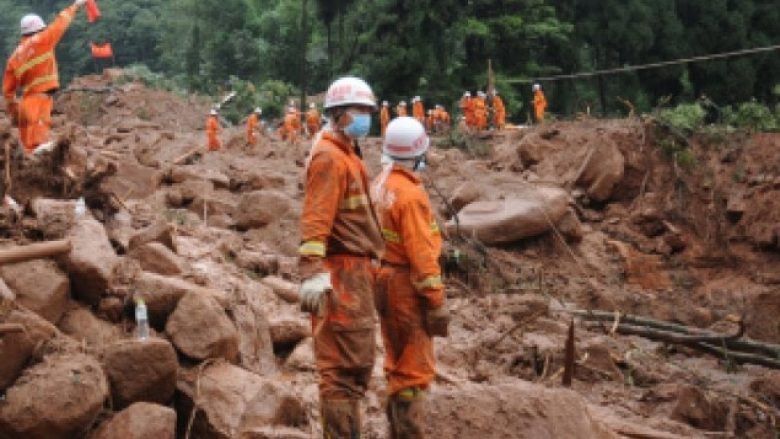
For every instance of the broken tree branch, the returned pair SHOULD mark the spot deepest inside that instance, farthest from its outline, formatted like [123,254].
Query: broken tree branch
[34,251]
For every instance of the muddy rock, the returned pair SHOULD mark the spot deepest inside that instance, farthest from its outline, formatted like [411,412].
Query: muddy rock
[162,293]
[5,292]
[289,330]
[141,420]
[217,204]
[55,217]
[157,258]
[140,370]
[16,348]
[465,194]
[643,270]
[767,388]
[273,433]
[516,409]
[200,329]
[258,263]
[232,400]
[55,399]
[528,213]
[698,410]
[761,320]
[259,208]
[302,357]
[254,343]
[255,181]
[602,170]
[160,231]
[597,362]
[83,326]
[91,262]
[570,226]
[286,290]
[532,148]
[40,286]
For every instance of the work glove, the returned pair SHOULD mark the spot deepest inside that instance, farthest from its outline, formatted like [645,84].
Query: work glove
[313,290]
[437,321]
[79,3]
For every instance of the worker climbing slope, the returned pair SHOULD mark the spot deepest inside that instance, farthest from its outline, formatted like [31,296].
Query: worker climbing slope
[418,109]
[480,111]
[540,103]
[252,123]
[32,69]
[499,111]
[340,239]
[400,109]
[410,292]
[313,118]
[212,131]
[467,109]
[291,126]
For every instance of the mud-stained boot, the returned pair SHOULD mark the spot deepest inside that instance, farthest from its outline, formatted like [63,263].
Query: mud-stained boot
[406,412]
[340,418]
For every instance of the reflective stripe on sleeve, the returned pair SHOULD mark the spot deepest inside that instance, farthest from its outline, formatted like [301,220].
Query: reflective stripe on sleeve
[312,248]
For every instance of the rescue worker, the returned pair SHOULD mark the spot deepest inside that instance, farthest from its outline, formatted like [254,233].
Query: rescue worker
[340,240]
[480,111]
[410,294]
[418,109]
[252,123]
[441,119]
[499,111]
[429,122]
[467,108]
[384,116]
[291,126]
[32,69]
[400,109]
[313,119]
[212,131]
[540,103]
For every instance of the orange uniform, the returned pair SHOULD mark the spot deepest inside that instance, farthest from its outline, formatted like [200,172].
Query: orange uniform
[251,127]
[499,111]
[540,105]
[418,112]
[212,132]
[429,123]
[340,234]
[33,68]
[467,106]
[292,126]
[400,111]
[409,281]
[480,113]
[384,118]
[313,121]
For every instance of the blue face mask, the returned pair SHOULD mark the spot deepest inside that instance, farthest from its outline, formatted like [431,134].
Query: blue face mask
[360,126]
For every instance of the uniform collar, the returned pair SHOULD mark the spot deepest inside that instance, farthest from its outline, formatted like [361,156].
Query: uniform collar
[339,140]
[408,173]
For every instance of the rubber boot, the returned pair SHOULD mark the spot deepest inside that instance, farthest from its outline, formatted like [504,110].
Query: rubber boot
[405,412]
[340,418]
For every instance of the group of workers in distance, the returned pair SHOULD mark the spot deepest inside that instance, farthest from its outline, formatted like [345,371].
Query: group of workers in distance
[367,250]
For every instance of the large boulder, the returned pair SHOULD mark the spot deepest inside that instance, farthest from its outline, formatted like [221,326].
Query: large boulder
[141,420]
[162,293]
[259,208]
[516,409]
[160,231]
[83,326]
[158,258]
[200,329]
[141,370]
[529,212]
[288,331]
[91,262]
[603,168]
[762,316]
[465,194]
[40,286]
[58,398]
[284,289]
[55,217]
[254,339]
[16,348]
[232,400]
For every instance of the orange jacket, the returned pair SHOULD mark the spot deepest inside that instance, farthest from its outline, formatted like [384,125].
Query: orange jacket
[338,216]
[479,107]
[292,123]
[498,105]
[33,66]
[418,111]
[412,236]
[212,126]
[313,119]
[540,102]
[384,116]
[251,123]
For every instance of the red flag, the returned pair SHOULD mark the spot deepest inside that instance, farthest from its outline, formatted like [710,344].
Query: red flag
[93,13]
[102,50]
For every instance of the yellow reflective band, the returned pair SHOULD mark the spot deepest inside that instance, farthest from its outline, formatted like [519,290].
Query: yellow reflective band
[40,59]
[312,248]
[409,394]
[353,202]
[38,81]
[435,228]
[430,282]
[391,236]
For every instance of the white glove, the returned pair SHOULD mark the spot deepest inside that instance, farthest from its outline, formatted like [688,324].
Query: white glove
[312,291]
[79,3]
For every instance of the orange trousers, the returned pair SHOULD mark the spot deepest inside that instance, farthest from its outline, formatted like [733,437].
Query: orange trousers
[409,359]
[344,331]
[214,143]
[35,120]
[251,138]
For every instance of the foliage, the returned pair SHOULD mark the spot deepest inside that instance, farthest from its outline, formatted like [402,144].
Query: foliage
[752,116]
[685,117]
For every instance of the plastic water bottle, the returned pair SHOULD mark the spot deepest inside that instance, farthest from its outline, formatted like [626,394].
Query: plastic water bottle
[81,208]
[141,320]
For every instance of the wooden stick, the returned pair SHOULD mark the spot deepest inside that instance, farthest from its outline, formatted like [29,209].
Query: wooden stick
[569,363]
[34,251]
[184,157]
[9,328]
[522,323]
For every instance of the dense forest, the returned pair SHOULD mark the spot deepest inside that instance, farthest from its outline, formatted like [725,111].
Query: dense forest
[435,48]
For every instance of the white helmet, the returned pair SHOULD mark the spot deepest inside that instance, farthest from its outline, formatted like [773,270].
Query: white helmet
[405,139]
[467,94]
[349,91]
[213,112]
[312,105]
[258,110]
[481,94]
[402,103]
[537,87]
[291,110]
[385,103]
[417,99]
[32,23]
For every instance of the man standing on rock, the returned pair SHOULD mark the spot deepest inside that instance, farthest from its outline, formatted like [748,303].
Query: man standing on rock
[212,131]
[32,68]
[340,240]
[313,118]
[410,292]
[540,103]
[252,123]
